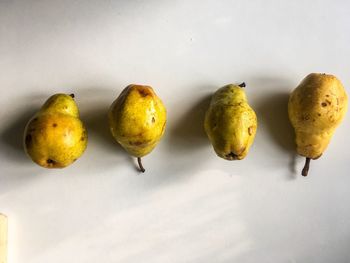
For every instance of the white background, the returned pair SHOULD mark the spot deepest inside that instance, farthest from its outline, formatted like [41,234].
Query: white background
[189,206]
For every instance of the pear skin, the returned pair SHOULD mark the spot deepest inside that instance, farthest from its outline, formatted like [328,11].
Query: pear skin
[55,137]
[137,120]
[316,108]
[230,122]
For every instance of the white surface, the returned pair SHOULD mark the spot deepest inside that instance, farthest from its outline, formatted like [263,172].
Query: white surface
[189,206]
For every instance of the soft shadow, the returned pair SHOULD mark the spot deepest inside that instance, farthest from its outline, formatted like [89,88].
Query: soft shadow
[96,122]
[273,113]
[184,143]
[183,138]
[19,168]
[95,118]
[188,132]
[12,136]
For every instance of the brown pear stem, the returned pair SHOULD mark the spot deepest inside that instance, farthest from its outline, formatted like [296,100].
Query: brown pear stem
[305,170]
[242,85]
[72,95]
[140,165]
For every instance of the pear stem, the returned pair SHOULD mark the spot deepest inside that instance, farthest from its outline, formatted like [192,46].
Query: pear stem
[72,95]
[242,85]
[305,170]
[140,165]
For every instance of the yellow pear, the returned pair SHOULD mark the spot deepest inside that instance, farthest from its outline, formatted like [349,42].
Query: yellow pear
[55,137]
[137,120]
[3,238]
[316,107]
[230,122]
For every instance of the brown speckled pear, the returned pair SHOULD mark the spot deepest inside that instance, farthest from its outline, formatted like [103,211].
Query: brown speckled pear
[55,137]
[316,107]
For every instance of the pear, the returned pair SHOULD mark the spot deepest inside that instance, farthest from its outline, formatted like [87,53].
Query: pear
[137,120]
[55,137]
[316,107]
[230,122]
[3,238]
